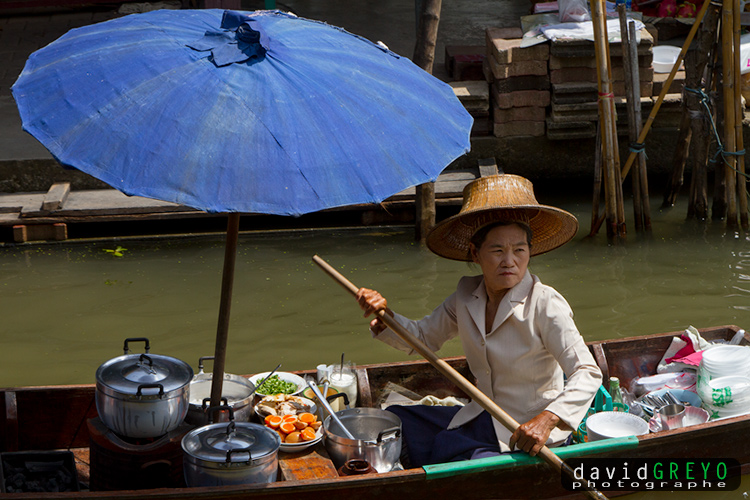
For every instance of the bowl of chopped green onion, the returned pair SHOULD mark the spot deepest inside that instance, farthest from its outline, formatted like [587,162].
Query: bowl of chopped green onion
[278,383]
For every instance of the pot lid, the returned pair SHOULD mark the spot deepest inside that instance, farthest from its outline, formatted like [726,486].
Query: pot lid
[231,442]
[127,373]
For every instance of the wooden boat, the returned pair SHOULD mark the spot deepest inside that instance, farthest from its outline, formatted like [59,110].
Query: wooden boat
[61,417]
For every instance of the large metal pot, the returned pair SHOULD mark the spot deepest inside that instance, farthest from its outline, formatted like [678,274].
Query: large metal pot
[377,433]
[230,453]
[236,392]
[142,395]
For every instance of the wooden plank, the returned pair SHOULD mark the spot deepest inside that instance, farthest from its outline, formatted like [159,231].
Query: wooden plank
[487,166]
[57,231]
[20,234]
[51,417]
[56,196]
[313,463]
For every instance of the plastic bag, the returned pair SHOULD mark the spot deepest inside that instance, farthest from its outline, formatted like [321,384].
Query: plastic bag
[669,380]
[573,11]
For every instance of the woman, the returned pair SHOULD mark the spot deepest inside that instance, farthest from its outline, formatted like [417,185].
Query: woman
[518,335]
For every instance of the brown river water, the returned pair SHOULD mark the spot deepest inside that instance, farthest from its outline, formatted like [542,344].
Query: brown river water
[66,308]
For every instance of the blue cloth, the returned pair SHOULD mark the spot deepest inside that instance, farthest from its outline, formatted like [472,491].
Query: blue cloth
[428,441]
[258,112]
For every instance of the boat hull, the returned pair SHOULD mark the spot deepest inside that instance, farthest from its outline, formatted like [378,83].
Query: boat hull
[28,422]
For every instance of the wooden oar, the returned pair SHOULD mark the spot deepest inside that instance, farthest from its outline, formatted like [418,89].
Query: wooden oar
[453,375]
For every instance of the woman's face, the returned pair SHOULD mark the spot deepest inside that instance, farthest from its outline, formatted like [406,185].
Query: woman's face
[503,257]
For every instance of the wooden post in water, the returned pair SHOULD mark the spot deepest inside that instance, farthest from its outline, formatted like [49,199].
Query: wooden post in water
[739,115]
[424,55]
[729,161]
[701,114]
[641,204]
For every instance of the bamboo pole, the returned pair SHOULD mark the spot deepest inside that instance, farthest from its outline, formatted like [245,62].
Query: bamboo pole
[643,177]
[597,178]
[424,55]
[739,115]
[641,204]
[727,46]
[454,376]
[607,122]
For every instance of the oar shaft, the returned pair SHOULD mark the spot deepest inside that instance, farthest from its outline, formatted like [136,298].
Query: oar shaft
[451,373]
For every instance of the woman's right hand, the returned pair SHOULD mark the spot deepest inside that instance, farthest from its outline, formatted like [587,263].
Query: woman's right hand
[371,302]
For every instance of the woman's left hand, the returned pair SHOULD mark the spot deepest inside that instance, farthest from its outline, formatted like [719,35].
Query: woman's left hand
[532,435]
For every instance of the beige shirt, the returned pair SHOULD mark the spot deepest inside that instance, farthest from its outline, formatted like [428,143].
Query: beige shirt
[520,363]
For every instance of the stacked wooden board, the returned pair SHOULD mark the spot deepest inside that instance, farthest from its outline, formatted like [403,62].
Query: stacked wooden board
[573,77]
[475,96]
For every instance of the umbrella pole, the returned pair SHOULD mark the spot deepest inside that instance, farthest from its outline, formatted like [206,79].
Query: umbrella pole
[222,331]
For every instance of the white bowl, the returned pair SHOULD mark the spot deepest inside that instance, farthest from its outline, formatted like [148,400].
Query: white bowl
[286,376]
[614,424]
[297,447]
[665,57]
[306,405]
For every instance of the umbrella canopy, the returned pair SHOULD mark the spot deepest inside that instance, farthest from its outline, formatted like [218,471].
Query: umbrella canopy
[224,111]
[239,112]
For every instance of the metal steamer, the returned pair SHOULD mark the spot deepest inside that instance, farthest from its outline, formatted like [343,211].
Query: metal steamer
[237,392]
[230,453]
[142,396]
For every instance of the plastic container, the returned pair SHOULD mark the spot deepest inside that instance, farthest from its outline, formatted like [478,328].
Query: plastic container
[664,57]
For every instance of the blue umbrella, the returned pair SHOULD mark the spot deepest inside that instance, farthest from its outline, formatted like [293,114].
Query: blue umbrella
[237,112]
[259,112]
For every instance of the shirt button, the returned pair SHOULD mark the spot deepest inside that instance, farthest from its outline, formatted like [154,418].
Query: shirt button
[488,372]
[482,343]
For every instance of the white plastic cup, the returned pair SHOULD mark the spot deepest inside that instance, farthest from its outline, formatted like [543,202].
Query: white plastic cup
[344,381]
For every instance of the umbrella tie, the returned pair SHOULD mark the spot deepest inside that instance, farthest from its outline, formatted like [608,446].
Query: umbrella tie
[242,41]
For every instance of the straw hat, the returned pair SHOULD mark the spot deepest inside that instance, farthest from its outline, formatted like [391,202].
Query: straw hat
[497,198]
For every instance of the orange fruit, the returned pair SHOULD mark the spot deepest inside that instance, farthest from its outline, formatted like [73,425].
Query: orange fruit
[308,434]
[287,427]
[293,437]
[307,418]
[273,421]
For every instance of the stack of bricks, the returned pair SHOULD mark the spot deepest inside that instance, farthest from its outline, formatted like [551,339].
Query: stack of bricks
[519,83]
[573,77]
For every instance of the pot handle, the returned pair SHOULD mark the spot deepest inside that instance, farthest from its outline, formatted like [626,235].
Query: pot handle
[396,431]
[338,395]
[139,393]
[214,409]
[201,360]
[239,450]
[224,403]
[136,339]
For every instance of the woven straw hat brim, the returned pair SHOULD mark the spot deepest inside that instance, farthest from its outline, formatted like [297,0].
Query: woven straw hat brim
[551,228]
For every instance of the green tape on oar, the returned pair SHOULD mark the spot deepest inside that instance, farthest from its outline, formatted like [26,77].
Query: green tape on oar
[520,458]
